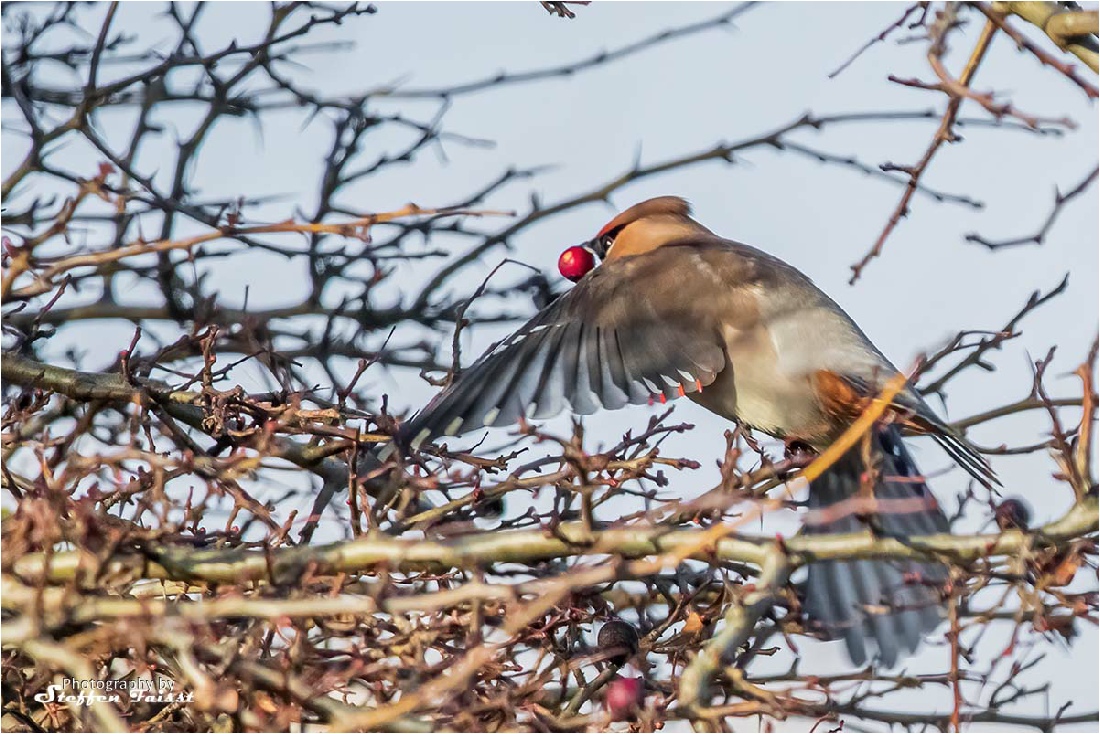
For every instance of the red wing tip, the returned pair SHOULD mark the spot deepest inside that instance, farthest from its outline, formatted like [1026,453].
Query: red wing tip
[681,391]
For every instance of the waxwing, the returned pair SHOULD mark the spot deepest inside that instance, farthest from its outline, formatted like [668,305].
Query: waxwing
[677,311]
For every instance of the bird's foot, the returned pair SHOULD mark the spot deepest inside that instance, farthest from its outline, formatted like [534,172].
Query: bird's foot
[798,451]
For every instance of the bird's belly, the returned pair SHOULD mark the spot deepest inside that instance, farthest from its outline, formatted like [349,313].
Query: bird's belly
[754,392]
[780,407]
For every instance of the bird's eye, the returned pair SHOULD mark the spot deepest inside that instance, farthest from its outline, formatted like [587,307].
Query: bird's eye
[602,244]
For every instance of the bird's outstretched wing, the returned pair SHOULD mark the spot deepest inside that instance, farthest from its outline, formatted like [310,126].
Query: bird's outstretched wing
[632,330]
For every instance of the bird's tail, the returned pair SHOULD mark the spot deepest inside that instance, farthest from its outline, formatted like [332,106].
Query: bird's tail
[891,604]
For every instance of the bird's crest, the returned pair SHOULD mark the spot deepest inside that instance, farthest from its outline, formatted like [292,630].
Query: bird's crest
[661,205]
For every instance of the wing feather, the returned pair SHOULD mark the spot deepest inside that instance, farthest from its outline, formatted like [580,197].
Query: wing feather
[628,332]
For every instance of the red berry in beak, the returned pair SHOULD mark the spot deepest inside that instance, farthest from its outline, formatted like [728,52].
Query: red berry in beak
[575,262]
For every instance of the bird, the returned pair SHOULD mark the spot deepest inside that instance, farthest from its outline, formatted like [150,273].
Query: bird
[673,310]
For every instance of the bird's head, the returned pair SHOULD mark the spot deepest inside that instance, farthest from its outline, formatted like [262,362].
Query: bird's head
[639,229]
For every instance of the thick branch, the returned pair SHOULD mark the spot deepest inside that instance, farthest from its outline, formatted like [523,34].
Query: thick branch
[478,550]
[738,624]
[86,386]
[1069,29]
